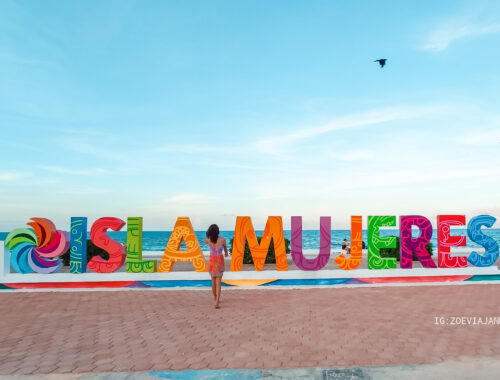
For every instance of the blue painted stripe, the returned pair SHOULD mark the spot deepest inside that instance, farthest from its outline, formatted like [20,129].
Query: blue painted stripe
[179,283]
[484,277]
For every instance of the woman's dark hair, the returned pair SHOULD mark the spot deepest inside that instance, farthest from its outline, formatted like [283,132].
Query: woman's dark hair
[213,233]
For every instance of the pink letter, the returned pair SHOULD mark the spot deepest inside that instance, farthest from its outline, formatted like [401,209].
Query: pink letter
[446,240]
[410,245]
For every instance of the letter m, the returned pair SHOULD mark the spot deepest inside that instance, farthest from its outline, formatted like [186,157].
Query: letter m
[244,232]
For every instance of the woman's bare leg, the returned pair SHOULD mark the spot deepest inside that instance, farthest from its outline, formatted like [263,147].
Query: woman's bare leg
[214,285]
[217,289]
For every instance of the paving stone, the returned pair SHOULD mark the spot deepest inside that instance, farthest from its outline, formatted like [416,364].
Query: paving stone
[262,328]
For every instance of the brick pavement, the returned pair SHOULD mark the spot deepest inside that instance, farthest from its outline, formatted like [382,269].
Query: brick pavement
[142,330]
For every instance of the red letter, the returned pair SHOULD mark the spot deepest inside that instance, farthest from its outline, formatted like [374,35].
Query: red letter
[102,240]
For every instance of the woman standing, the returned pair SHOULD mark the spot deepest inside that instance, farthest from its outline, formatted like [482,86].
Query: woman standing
[216,261]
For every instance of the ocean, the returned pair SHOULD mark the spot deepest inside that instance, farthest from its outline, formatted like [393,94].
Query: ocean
[157,240]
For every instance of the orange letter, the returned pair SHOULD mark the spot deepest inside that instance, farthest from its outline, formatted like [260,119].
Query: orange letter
[356,246]
[244,231]
[183,230]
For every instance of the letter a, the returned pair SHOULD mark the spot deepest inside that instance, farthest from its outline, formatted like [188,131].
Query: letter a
[183,230]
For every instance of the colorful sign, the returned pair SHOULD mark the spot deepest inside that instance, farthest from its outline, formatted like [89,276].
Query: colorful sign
[39,248]
[135,263]
[78,250]
[244,231]
[183,231]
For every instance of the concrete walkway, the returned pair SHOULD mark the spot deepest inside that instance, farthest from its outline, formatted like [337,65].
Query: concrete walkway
[484,369]
[320,329]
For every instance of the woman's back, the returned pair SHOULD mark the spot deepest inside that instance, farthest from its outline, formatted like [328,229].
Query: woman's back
[216,249]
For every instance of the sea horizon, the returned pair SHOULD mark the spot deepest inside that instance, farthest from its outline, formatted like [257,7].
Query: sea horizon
[157,240]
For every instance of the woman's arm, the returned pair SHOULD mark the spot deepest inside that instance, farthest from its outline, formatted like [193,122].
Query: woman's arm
[225,248]
[206,240]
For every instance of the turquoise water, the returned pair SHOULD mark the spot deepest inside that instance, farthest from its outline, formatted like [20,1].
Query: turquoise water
[157,240]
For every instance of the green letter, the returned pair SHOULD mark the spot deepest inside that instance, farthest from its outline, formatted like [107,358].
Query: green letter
[375,242]
[135,264]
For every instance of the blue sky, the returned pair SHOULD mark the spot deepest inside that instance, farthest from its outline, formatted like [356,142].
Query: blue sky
[213,109]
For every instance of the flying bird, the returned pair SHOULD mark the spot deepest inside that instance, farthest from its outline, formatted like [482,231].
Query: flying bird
[381,61]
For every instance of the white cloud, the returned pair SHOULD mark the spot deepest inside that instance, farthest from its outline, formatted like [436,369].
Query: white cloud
[195,148]
[12,176]
[86,191]
[355,155]
[275,144]
[482,138]
[341,184]
[92,149]
[45,182]
[188,198]
[386,179]
[82,172]
[443,35]
[260,168]
[84,132]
